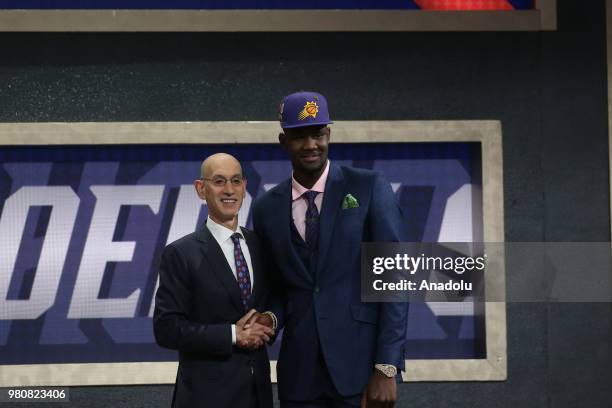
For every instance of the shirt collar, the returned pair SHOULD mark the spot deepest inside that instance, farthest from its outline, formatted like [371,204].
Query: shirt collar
[297,190]
[221,232]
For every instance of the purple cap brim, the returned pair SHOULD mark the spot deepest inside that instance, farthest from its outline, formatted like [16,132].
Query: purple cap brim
[289,126]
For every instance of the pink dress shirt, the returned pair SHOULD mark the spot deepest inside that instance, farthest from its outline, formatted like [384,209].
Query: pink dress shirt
[299,203]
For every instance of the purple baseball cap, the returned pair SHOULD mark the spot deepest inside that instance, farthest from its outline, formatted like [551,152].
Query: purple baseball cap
[303,109]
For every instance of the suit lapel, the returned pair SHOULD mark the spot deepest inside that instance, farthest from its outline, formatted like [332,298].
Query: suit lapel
[332,199]
[283,197]
[214,255]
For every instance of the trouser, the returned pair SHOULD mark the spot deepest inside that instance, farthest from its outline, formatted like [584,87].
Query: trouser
[328,396]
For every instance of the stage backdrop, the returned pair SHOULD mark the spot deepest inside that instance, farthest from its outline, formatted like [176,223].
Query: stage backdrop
[83,225]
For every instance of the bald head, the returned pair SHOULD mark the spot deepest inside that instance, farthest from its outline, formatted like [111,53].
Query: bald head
[223,187]
[219,160]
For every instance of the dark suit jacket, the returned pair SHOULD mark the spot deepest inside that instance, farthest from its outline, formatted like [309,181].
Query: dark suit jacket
[197,301]
[325,308]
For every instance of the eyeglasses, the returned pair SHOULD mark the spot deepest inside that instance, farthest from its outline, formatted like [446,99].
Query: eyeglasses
[221,181]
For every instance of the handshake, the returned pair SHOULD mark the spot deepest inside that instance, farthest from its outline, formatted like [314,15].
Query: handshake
[253,329]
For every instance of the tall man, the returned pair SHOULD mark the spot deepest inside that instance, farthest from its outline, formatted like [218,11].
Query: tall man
[336,351]
[208,281]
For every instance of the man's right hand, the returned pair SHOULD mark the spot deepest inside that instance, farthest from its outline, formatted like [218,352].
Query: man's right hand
[251,334]
[260,318]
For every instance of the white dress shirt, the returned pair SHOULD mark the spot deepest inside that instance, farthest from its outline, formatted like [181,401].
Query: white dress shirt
[223,235]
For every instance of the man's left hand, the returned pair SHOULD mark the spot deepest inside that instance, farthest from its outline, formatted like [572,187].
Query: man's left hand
[381,392]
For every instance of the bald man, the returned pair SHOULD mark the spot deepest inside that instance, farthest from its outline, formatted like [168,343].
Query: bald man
[210,283]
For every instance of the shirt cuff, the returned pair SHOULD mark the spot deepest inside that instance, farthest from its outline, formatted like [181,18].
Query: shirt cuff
[233,334]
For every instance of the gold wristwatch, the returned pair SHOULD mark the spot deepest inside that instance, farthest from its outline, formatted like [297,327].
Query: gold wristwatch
[272,317]
[388,370]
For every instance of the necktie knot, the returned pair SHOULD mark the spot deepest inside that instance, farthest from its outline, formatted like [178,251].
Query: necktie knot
[236,238]
[310,196]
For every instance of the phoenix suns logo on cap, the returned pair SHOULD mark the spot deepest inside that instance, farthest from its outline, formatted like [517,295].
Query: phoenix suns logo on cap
[310,109]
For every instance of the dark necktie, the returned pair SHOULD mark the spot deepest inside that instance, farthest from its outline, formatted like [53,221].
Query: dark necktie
[312,220]
[242,271]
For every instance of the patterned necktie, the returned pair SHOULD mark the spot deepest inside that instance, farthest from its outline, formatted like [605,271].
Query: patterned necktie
[312,220]
[242,271]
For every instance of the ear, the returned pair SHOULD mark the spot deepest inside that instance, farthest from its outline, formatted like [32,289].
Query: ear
[282,139]
[198,184]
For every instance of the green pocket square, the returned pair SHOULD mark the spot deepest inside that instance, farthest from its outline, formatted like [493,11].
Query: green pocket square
[349,202]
